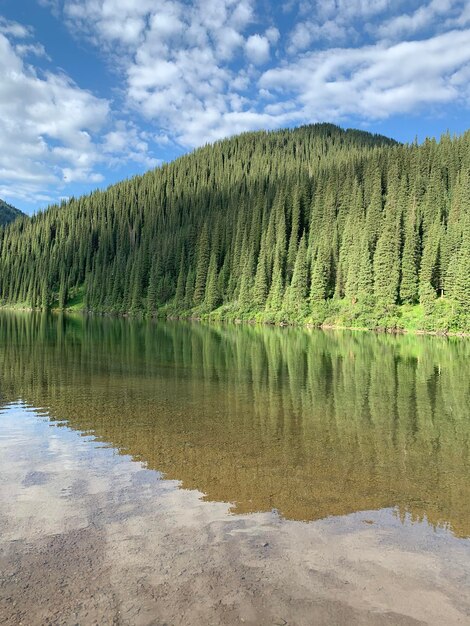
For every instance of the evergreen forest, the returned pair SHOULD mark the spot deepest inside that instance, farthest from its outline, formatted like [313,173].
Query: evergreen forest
[314,225]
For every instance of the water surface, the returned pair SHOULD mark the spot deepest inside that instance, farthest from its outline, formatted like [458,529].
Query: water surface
[292,473]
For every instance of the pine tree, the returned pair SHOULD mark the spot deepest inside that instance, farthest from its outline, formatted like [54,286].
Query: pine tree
[180,283]
[45,295]
[461,287]
[260,287]
[62,291]
[189,290]
[295,299]
[374,209]
[387,252]
[294,233]
[203,255]
[429,271]
[276,291]
[246,282]
[152,289]
[409,290]
[320,277]
[365,285]
[212,297]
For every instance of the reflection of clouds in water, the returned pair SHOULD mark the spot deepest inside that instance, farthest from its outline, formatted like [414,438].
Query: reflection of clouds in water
[26,446]
[151,529]
[314,424]
[77,469]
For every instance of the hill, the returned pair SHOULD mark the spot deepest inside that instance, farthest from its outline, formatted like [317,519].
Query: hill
[315,224]
[8,213]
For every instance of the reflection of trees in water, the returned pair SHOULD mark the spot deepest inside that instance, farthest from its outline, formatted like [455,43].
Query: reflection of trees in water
[307,422]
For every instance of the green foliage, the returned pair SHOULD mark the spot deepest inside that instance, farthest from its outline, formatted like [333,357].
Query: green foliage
[295,299]
[461,286]
[409,285]
[212,299]
[313,224]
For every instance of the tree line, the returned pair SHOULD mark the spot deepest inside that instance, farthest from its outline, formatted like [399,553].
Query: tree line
[313,224]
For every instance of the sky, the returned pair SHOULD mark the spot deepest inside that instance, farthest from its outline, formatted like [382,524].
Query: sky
[94,91]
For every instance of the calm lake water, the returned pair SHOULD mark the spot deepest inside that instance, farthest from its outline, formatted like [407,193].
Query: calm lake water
[173,473]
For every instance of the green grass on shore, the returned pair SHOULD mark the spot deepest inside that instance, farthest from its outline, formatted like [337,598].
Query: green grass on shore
[443,318]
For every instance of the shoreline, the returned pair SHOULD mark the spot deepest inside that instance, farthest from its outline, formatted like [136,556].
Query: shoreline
[239,321]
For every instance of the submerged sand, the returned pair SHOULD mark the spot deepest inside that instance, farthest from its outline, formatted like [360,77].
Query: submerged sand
[91,537]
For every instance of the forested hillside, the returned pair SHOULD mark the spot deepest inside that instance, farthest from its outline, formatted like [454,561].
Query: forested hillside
[315,224]
[8,213]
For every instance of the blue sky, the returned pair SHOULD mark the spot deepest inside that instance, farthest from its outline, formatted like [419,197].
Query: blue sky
[92,91]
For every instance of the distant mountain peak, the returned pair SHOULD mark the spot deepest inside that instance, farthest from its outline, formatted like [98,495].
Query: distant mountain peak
[8,213]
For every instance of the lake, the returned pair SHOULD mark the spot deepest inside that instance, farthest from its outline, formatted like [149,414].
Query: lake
[172,473]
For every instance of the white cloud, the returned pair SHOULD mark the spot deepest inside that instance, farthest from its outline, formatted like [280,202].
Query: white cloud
[125,142]
[350,9]
[45,121]
[53,5]
[374,81]
[105,21]
[228,41]
[306,33]
[178,66]
[14,29]
[461,20]
[273,35]
[337,21]
[129,22]
[176,57]
[53,132]
[191,72]
[257,49]
[35,49]
[421,18]
[333,21]
[191,69]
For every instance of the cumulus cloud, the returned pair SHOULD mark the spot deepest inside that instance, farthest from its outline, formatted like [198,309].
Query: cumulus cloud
[106,21]
[273,35]
[53,5]
[53,132]
[178,65]
[373,81]
[194,71]
[45,121]
[126,142]
[333,21]
[349,9]
[34,49]
[14,29]
[257,49]
[307,32]
[463,19]
[423,17]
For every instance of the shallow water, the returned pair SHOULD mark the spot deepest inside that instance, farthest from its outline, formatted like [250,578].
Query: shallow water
[190,474]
